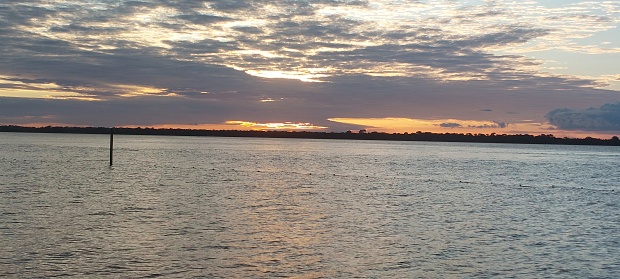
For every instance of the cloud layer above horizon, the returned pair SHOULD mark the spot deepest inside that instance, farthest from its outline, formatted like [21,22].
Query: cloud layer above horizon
[106,63]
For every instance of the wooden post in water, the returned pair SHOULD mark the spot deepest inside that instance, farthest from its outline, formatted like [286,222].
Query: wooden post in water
[111,144]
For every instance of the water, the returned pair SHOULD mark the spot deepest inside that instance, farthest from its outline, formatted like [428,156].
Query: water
[183,207]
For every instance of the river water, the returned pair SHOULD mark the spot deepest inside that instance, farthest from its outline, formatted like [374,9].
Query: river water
[204,207]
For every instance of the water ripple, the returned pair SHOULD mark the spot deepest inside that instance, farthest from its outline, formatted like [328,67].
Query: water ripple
[261,208]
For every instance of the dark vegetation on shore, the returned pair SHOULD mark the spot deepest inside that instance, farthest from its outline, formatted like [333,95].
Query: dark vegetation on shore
[362,135]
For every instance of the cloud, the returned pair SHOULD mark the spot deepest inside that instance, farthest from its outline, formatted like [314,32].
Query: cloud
[604,118]
[322,37]
[496,125]
[197,18]
[450,125]
[153,61]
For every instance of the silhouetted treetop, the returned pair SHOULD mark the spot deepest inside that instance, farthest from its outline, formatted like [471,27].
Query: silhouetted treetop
[361,135]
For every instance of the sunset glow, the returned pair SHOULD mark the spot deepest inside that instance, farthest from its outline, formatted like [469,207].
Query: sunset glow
[273,126]
[406,125]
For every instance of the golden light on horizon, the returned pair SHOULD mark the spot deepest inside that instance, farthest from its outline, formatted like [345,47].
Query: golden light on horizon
[238,125]
[275,126]
[409,125]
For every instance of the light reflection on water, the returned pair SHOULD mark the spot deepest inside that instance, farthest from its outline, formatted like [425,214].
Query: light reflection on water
[250,208]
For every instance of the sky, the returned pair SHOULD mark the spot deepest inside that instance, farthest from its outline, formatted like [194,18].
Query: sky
[451,66]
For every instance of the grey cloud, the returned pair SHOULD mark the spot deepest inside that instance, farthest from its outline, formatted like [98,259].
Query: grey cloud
[454,56]
[71,28]
[19,13]
[133,111]
[232,5]
[450,125]
[134,4]
[204,46]
[249,29]
[202,18]
[286,23]
[124,66]
[489,13]
[311,30]
[604,118]
[305,33]
[497,125]
[43,46]
[596,18]
[438,56]
[511,35]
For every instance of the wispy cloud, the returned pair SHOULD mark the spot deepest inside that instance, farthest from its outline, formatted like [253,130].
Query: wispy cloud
[334,36]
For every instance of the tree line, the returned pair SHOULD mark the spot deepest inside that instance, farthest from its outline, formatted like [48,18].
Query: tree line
[361,135]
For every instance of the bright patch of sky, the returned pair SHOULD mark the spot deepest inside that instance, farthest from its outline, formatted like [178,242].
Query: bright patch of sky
[557,3]
[588,45]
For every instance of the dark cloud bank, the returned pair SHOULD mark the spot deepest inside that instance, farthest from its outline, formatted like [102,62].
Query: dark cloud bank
[604,118]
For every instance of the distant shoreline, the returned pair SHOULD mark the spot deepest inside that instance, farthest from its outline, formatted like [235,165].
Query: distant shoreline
[418,136]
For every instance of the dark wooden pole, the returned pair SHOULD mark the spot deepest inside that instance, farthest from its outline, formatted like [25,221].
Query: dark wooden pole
[111,144]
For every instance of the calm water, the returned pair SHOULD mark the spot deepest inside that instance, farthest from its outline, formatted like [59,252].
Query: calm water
[183,207]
